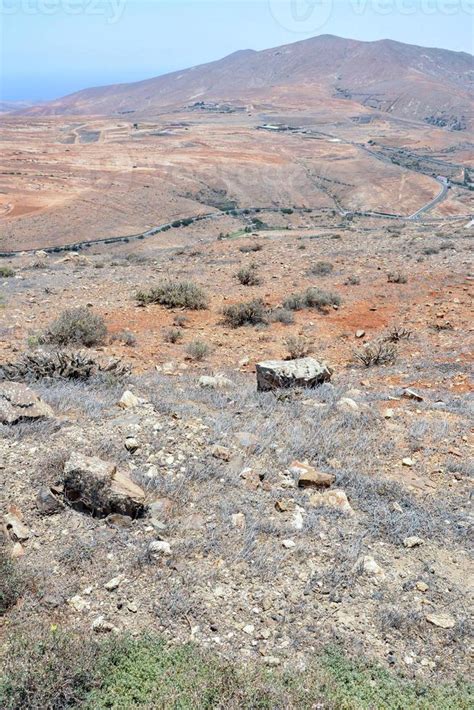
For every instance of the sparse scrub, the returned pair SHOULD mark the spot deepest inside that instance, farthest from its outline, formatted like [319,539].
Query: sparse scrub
[248,276]
[397,334]
[430,250]
[77,326]
[180,294]
[298,346]
[250,313]
[125,337]
[397,277]
[6,272]
[198,350]
[180,321]
[12,583]
[321,268]
[312,298]
[283,315]
[60,364]
[380,352]
[173,335]
[248,248]
[352,280]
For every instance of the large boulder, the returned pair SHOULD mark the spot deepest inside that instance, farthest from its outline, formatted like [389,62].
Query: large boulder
[19,403]
[97,487]
[303,372]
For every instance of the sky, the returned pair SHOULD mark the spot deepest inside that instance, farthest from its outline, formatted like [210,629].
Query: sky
[49,48]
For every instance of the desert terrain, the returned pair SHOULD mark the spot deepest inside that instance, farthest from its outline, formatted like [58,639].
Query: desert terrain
[316,538]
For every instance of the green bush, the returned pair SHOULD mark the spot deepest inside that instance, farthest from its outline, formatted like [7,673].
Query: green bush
[198,350]
[248,276]
[77,326]
[250,313]
[6,272]
[180,294]
[321,268]
[312,298]
[52,670]
[11,582]
[173,335]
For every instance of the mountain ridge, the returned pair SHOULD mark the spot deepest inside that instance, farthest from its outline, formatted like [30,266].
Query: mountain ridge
[407,80]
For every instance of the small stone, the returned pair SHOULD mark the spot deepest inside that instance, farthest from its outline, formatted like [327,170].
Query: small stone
[221,452]
[216,382]
[132,607]
[388,413]
[346,404]
[113,584]
[396,507]
[159,547]
[359,333]
[335,498]
[411,394]
[271,661]
[284,505]
[101,625]
[369,567]
[422,586]
[17,550]
[443,621]
[238,520]
[128,400]
[408,462]
[131,444]
[78,603]
[47,503]
[249,629]
[115,520]
[413,541]
[309,477]
[16,528]
[288,544]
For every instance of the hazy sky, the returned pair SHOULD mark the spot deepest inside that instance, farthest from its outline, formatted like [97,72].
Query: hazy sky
[53,47]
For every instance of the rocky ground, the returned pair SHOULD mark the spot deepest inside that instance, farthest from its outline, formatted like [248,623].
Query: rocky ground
[271,523]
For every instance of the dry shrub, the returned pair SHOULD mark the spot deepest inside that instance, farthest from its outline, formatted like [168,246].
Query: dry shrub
[248,276]
[298,346]
[77,326]
[380,352]
[198,350]
[180,294]
[250,313]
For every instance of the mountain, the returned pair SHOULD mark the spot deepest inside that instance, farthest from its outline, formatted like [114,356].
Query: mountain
[405,80]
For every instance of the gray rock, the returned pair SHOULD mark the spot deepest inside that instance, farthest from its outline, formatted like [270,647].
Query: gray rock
[47,503]
[19,403]
[97,487]
[304,372]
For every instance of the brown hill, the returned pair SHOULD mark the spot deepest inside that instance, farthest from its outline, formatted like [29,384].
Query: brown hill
[405,80]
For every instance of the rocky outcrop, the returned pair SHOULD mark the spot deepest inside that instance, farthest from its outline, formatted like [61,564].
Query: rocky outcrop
[303,372]
[19,403]
[96,487]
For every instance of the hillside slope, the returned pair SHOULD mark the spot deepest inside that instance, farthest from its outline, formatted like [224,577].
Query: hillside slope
[409,81]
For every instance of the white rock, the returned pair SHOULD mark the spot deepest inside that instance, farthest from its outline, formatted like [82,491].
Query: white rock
[128,400]
[443,621]
[370,568]
[412,541]
[158,547]
[113,584]
[288,544]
